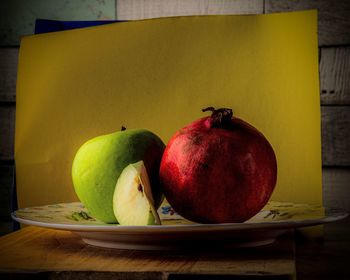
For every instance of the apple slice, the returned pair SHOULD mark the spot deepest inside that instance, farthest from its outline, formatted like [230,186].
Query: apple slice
[133,202]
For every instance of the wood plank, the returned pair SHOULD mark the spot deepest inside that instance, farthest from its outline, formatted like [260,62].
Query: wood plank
[336,187]
[327,258]
[18,16]
[6,190]
[138,9]
[7,131]
[8,74]
[333,17]
[334,75]
[336,135]
[35,249]
[83,275]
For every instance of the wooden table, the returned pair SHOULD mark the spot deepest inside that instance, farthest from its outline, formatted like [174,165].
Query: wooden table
[327,258]
[54,254]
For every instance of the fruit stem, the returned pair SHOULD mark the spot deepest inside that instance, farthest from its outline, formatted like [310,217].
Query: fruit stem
[220,117]
[123,128]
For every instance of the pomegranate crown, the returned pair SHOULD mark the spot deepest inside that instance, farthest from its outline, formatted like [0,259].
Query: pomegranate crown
[220,117]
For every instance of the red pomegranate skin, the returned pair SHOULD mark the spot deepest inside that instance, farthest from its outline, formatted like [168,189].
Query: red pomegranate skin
[213,173]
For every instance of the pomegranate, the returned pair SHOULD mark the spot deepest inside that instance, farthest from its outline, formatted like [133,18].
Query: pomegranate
[218,169]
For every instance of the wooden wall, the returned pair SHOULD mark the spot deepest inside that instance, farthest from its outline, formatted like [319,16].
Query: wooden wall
[334,50]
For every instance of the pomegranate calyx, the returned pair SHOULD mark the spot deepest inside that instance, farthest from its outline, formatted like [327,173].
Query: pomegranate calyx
[219,117]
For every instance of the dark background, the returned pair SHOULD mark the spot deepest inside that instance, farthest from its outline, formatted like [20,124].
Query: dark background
[334,68]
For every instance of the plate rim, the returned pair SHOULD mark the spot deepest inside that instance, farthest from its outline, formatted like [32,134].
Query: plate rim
[337,214]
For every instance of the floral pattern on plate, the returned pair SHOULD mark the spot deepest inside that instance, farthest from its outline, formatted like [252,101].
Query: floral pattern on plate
[76,213]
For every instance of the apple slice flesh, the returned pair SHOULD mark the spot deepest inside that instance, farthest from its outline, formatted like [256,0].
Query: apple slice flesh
[133,202]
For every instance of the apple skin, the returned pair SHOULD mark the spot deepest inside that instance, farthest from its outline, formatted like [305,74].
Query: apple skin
[214,172]
[100,161]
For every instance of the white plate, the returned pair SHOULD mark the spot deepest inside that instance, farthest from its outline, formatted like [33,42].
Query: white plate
[175,232]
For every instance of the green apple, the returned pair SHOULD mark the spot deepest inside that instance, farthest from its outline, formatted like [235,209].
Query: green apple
[133,201]
[100,161]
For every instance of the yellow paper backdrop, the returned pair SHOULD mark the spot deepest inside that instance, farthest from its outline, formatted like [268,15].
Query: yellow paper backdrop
[158,74]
